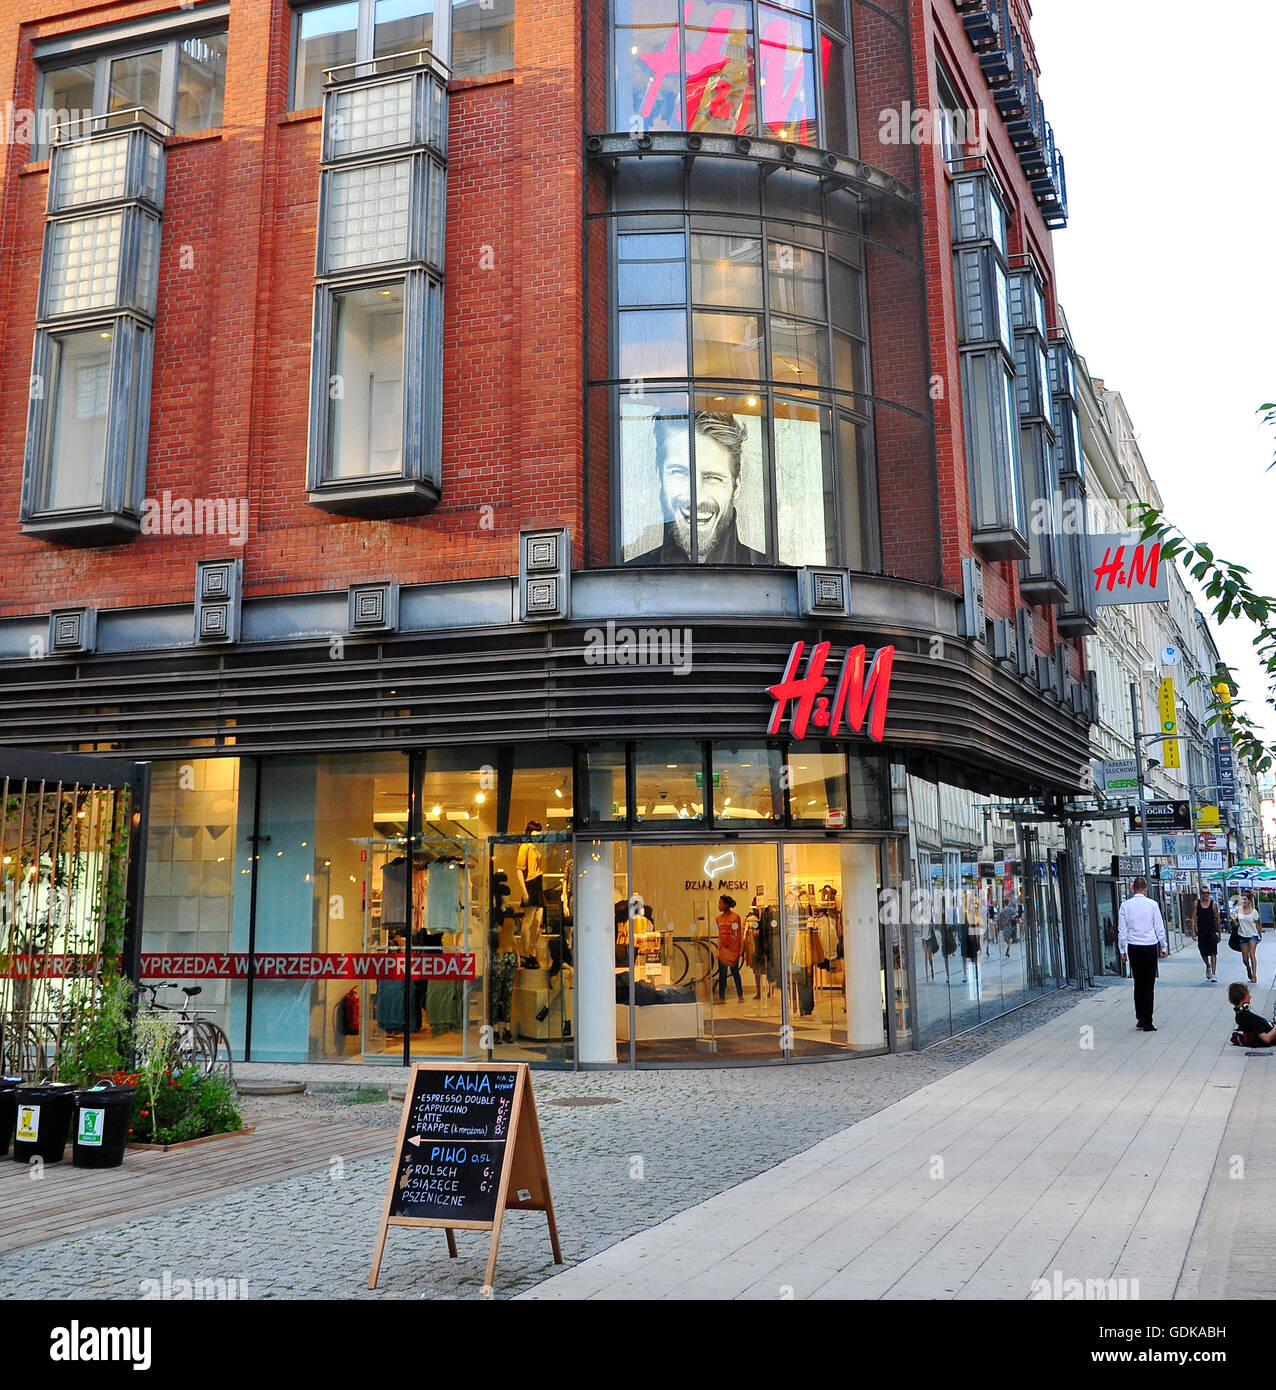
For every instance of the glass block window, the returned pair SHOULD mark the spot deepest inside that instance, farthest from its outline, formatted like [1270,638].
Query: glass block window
[367,214]
[370,118]
[148,264]
[93,172]
[82,269]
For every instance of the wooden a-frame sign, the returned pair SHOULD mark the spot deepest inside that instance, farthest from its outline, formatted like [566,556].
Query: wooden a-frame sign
[469,1149]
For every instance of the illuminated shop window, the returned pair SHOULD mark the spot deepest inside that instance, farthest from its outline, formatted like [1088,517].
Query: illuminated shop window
[733,67]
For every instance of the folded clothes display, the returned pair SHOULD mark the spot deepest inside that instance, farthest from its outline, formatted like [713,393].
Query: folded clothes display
[645,993]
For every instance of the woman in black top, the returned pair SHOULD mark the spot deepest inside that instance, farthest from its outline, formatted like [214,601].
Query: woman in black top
[1207,933]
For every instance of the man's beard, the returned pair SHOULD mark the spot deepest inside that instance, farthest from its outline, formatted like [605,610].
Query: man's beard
[711,532]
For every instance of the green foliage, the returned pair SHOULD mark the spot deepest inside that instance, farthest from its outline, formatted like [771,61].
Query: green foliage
[172,1106]
[100,1040]
[1233,596]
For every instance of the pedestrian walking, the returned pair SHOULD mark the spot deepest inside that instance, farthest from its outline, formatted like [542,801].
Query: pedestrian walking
[1207,933]
[1248,930]
[1140,936]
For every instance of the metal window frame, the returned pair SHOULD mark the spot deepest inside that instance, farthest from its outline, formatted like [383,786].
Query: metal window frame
[131,39]
[365,37]
[118,514]
[416,487]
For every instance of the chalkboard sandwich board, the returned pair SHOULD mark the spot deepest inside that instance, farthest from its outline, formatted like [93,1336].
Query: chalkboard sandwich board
[469,1149]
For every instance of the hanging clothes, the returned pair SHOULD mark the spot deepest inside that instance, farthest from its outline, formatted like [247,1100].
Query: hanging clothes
[444,896]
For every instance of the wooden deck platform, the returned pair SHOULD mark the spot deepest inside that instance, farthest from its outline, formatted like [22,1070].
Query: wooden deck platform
[66,1200]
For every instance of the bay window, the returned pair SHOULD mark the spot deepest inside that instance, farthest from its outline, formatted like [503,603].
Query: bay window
[376,363]
[360,31]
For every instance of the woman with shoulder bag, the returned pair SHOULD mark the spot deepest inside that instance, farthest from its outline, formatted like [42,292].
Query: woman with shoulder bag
[1249,929]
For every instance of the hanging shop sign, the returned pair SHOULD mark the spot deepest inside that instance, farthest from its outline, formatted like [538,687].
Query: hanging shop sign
[352,965]
[1212,859]
[469,1150]
[1207,818]
[1224,769]
[1169,723]
[1117,775]
[1127,570]
[1163,815]
[856,698]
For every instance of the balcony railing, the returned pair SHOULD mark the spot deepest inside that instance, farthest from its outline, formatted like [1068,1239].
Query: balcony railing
[1013,83]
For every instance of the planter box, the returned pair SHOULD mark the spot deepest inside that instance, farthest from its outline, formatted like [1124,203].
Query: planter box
[190,1143]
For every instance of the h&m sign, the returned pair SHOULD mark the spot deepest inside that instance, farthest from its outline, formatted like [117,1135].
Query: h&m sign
[857,698]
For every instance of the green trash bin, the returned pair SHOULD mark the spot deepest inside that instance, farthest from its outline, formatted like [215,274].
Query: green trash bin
[100,1125]
[43,1122]
[8,1110]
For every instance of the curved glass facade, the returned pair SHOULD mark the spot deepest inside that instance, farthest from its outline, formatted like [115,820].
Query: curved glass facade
[748,402]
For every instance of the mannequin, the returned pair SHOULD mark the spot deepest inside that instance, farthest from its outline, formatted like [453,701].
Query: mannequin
[530,868]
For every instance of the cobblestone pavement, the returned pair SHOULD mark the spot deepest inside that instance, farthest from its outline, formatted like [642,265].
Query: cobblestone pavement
[672,1139]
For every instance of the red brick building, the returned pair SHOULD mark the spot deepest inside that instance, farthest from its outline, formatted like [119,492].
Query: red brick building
[426,432]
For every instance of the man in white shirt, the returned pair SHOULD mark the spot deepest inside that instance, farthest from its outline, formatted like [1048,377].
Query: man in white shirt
[1141,936]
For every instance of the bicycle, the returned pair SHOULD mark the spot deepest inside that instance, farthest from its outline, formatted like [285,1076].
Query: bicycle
[200,1042]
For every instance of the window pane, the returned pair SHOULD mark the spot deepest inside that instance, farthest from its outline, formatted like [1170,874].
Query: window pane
[669,781]
[401,26]
[67,103]
[846,300]
[647,90]
[652,269]
[799,352]
[805,505]
[602,768]
[837,128]
[786,68]
[852,445]
[830,12]
[729,500]
[797,280]
[721,185]
[726,270]
[747,782]
[367,214]
[135,82]
[482,37]
[868,787]
[848,361]
[83,269]
[652,433]
[326,38]
[201,83]
[817,781]
[366,413]
[80,371]
[720,63]
[727,345]
[652,343]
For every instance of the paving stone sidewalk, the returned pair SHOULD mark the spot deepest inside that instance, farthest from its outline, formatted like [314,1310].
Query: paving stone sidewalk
[1085,1150]
[672,1139]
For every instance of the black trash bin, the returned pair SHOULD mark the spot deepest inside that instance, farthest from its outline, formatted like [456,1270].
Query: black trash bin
[43,1122]
[99,1128]
[8,1110]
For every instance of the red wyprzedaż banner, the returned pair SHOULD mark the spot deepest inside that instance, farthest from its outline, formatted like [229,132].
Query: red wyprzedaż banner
[221,965]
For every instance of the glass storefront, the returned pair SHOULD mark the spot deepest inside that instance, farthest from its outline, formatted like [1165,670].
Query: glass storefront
[646,903]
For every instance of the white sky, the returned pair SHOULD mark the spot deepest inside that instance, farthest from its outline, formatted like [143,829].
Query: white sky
[1167,268]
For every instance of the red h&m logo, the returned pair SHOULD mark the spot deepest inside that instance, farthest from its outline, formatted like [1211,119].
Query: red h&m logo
[853,698]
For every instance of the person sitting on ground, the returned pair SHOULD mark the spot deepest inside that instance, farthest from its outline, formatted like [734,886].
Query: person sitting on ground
[1255,1027]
